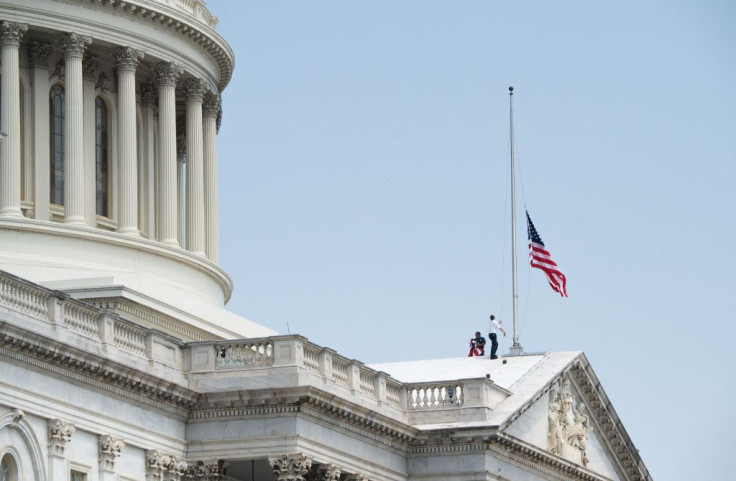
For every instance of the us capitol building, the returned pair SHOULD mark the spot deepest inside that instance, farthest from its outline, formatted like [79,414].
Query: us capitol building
[118,359]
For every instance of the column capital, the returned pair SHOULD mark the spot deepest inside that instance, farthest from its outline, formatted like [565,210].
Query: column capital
[290,467]
[110,448]
[357,477]
[38,53]
[74,44]
[211,105]
[60,433]
[181,149]
[194,89]
[325,472]
[167,73]
[149,96]
[11,33]
[127,58]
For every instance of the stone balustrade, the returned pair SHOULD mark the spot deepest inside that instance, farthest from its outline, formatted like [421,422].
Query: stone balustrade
[270,362]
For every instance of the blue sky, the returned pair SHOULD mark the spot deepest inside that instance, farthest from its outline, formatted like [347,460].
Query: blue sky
[363,164]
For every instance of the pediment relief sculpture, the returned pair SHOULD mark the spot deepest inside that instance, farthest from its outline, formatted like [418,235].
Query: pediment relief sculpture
[568,425]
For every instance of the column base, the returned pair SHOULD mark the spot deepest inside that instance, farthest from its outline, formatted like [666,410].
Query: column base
[129,231]
[170,242]
[76,221]
[14,212]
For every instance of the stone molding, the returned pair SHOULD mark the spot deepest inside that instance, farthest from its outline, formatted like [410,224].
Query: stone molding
[74,44]
[11,33]
[110,449]
[60,433]
[211,105]
[127,58]
[97,371]
[290,467]
[194,89]
[38,54]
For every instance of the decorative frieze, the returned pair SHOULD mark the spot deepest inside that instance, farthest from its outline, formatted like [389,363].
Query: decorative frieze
[167,74]
[110,448]
[38,54]
[290,467]
[211,105]
[60,433]
[11,33]
[568,425]
[194,89]
[74,44]
[127,58]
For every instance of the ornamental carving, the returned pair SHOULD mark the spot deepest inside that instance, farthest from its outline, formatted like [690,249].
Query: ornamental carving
[290,467]
[181,149]
[104,84]
[167,73]
[161,466]
[74,44]
[90,67]
[38,54]
[568,425]
[11,33]
[127,58]
[194,89]
[110,449]
[149,96]
[60,433]
[324,472]
[211,105]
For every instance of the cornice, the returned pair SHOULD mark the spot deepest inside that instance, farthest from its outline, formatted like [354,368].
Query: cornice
[45,354]
[165,17]
[310,401]
[607,421]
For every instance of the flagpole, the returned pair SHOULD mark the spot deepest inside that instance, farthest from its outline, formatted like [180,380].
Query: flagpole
[516,349]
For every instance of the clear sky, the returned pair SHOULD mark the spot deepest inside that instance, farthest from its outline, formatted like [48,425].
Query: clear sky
[364,190]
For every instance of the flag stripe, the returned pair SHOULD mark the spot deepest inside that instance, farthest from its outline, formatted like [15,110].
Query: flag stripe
[540,258]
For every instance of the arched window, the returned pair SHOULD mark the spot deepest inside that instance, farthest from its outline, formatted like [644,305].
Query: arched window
[8,471]
[102,158]
[57,98]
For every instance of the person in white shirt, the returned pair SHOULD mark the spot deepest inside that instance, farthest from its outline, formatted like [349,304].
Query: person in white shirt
[495,326]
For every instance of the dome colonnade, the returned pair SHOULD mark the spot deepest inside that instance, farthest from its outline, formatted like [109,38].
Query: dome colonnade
[140,190]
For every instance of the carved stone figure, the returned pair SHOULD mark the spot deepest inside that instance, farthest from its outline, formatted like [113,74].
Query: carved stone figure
[554,438]
[568,425]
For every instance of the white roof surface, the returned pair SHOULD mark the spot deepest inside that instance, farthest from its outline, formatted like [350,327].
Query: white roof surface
[523,375]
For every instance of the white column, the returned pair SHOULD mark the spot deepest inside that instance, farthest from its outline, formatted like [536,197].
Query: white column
[210,111]
[194,90]
[127,59]
[10,34]
[39,57]
[74,46]
[148,202]
[166,76]
[181,164]
[90,159]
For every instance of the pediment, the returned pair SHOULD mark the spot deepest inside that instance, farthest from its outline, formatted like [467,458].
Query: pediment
[571,418]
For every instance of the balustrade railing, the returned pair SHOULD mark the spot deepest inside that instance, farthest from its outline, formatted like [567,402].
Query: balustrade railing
[243,354]
[340,371]
[311,357]
[82,319]
[434,395]
[25,298]
[393,393]
[366,382]
[129,338]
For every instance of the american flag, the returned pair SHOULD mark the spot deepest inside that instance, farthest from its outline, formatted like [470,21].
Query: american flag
[540,258]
